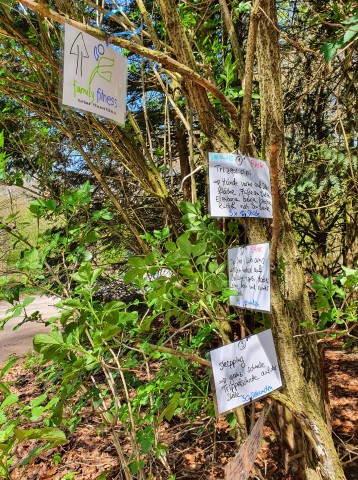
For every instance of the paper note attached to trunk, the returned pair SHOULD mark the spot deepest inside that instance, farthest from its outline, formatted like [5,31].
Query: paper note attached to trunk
[245,370]
[249,275]
[239,186]
[239,468]
[94,76]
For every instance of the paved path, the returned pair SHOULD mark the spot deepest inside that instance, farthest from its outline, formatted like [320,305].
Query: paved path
[19,342]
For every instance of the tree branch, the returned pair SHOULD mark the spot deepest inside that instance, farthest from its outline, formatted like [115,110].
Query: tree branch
[160,57]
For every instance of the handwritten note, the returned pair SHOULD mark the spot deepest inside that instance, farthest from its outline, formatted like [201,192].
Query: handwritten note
[239,468]
[94,76]
[249,275]
[239,186]
[245,370]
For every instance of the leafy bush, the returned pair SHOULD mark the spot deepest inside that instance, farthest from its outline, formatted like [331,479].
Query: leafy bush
[139,363]
[337,303]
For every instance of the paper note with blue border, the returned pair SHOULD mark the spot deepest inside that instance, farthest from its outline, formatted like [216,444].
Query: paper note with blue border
[245,371]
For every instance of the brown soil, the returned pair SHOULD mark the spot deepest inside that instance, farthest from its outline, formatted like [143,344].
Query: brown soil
[192,453]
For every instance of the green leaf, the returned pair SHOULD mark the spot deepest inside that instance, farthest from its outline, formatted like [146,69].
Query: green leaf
[38,400]
[149,259]
[132,275]
[41,207]
[102,214]
[202,259]
[170,246]
[27,301]
[7,366]
[329,50]
[136,466]
[72,302]
[184,244]
[86,275]
[136,261]
[228,293]
[199,249]
[349,271]
[350,33]
[187,207]
[4,389]
[56,459]
[3,418]
[48,345]
[9,400]
[36,413]
[48,434]
[169,410]
[352,19]
[146,439]
[30,260]
[92,237]
[325,318]
[213,266]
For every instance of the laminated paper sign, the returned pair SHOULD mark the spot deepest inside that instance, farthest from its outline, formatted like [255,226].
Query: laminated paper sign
[239,186]
[249,275]
[245,370]
[239,468]
[94,76]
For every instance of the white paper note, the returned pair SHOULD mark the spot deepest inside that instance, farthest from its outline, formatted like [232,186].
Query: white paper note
[239,186]
[249,275]
[245,370]
[94,76]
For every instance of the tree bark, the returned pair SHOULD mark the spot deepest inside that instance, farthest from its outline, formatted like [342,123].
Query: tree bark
[197,95]
[290,306]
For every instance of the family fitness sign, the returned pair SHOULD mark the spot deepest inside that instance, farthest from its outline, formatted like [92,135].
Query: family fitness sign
[94,76]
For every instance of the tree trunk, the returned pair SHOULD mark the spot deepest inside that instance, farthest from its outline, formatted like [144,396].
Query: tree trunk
[298,357]
[197,95]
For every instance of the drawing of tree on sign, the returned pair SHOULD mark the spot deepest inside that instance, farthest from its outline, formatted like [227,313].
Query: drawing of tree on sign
[103,62]
[79,49]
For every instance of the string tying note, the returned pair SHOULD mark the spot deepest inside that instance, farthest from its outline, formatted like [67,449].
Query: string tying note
[133,32]
[114,12]
[110,13]
[189,175]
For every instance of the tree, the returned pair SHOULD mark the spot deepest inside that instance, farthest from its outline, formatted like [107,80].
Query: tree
[199,78]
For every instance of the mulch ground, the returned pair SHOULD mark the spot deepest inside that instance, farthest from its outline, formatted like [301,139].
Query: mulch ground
[192,453]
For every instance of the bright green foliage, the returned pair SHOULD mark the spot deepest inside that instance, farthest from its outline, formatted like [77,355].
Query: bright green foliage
[15,178]
[75,228]
[15,414]
[350,29]
[181,289]
[336,302]
[181,278]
